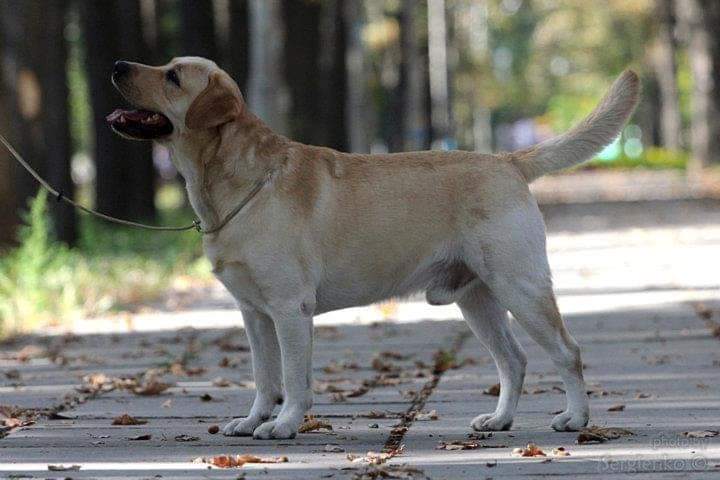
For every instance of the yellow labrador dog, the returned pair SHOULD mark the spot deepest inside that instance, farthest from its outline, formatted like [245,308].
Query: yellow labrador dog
[327,230]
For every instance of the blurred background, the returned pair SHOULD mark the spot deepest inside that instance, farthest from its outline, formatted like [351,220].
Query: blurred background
[362,76]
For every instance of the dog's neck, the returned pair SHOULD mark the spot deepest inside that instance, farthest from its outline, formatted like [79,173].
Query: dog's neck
[222,165]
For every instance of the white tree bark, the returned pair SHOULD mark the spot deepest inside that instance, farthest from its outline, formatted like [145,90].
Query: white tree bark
[267,92]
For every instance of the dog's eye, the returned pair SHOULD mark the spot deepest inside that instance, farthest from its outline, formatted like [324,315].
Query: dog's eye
[172,76]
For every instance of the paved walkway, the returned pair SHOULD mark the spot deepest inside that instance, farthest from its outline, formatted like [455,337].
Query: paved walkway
[637,285]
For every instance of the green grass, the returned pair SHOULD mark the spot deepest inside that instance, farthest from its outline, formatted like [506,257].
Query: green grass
[651,158]
[42,282]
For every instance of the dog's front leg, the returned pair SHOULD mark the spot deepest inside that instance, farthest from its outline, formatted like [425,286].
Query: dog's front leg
[293,323]
[266,370]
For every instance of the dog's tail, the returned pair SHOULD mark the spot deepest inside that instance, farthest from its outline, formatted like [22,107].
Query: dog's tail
[587,138]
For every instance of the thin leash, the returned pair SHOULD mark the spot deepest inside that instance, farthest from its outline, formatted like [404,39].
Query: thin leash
[195,225]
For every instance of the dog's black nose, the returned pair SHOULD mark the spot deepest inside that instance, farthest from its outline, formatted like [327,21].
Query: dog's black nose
[120,69]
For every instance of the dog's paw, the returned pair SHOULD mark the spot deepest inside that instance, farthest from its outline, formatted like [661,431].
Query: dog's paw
[569,421]
[242,427]
[491,422]
[275,430]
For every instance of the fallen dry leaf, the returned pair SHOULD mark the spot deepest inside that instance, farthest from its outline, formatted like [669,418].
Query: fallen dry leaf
[63,468]
[425,416]
[560,452]
[375,458]
[151,387]
[221,382]
[206,397]
[330,448]
[457,445]
[312,424]
[494,390]
[531,450]
[616,408]
[186,438]
[703,311]
[126,419]
[595,434]
[145,436]
[213,429]
[233,461]
[701,434]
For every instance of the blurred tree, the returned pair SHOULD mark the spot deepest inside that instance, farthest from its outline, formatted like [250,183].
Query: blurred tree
[356,110]
[333,76]
[702,18]
[666,71]
[198,28]
[238,48]
[413,80]
[267,91]
[58,146]
[9,25]
[439,88]
[34,56]
[125,179]
[302,68]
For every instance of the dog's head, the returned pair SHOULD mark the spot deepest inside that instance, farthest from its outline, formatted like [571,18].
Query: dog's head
[189,94]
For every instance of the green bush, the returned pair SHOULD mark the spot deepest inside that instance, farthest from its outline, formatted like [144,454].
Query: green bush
[42,282]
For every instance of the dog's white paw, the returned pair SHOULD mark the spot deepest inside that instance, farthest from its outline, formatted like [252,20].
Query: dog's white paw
[275,430]
[242,427]
[491,422]
[569,421]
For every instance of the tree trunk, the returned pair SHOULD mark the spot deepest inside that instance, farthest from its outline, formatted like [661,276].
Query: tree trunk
[439,91]
[239,43]
[198,28]
[9,170]
[124,182]
[703,17]
[58,150]
[666,73]
[414,71]
[268,97]
[357,115]
[333,76]
[302,67]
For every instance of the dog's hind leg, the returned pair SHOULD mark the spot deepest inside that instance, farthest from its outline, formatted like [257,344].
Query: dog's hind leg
[266,371]
[490,323]
[517,272]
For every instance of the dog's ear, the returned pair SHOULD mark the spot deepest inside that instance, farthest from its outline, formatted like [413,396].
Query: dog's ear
[218,104]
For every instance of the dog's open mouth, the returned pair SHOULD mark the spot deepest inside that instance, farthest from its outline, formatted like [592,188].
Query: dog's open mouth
[140,124]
